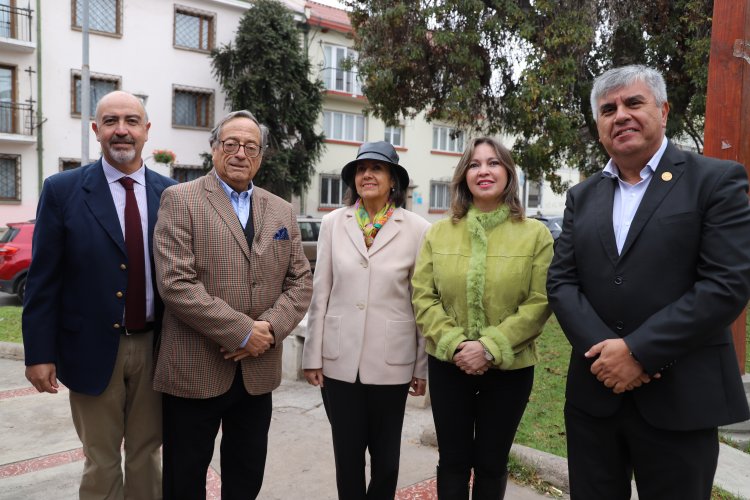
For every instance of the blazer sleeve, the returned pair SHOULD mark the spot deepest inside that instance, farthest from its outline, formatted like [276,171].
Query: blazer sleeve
[291,305]
[420,366]
[516,331]
[183,293]
[41,308]
[312,354]
[434,323]
[722,283]
[579,320]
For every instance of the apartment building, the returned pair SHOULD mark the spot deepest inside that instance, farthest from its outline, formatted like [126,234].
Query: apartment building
[159,50]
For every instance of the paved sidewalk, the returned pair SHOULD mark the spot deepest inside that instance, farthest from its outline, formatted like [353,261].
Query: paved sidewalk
[41,458]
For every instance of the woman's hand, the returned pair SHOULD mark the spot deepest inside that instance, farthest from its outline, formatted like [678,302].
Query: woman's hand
[417,386]
[470,358]
[314,377]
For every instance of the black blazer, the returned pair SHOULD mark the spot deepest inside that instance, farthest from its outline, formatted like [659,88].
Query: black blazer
[683,276]
[70,306]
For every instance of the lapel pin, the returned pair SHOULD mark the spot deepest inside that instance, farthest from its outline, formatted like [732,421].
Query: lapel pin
[666,176]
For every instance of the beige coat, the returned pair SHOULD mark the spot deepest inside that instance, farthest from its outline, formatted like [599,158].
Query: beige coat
[361,319]
[214,287]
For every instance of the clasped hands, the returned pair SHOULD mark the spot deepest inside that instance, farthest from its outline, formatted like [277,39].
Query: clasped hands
[260,341]
[616,368]
[469,357]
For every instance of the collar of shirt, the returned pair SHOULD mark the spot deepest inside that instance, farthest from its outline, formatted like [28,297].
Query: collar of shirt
[114,175]
[611,170]
[240,201]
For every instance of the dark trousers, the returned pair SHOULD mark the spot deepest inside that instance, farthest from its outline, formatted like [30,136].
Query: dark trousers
[190,428]
[476,418]
[365,417]
[604,454]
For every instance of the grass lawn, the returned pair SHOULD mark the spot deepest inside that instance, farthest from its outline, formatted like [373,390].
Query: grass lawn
[10,324]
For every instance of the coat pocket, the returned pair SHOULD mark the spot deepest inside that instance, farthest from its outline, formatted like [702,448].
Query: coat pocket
[400,342]
[332,337]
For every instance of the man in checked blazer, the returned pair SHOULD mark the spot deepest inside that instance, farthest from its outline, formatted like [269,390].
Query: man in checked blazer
[651,268]
[235,283]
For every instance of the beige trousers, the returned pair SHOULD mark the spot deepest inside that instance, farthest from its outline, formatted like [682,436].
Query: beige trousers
[129,409]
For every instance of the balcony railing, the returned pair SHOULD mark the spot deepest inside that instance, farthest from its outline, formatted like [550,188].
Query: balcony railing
[16,118]
[15,23]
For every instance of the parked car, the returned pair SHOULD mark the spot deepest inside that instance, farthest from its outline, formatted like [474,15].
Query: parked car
[553,223]
[310,228]
[15,257]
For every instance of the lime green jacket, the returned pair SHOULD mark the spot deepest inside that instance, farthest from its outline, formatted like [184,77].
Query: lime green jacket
[514,298]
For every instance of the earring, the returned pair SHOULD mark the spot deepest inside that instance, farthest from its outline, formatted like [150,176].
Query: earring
[393,190]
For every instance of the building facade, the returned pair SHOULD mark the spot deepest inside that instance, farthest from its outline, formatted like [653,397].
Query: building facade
[160,51]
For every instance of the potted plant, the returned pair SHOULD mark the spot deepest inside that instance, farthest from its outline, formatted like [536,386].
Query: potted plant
[164,156]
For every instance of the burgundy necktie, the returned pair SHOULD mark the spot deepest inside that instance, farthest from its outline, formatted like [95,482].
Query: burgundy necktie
[135,298]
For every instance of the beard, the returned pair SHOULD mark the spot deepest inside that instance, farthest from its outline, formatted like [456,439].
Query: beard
[120,155]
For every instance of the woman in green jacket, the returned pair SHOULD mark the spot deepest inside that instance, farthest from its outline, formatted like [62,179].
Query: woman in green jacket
[480,301]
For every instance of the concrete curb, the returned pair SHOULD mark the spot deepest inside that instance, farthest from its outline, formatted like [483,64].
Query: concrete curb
[11,350]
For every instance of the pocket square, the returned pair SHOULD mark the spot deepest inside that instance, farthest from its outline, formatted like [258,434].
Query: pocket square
[281,234]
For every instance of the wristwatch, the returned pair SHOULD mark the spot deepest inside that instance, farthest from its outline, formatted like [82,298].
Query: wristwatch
[487,354]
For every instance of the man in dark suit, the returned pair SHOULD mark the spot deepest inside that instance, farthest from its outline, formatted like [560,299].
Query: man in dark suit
[235,282]
[91,311]
[652,267]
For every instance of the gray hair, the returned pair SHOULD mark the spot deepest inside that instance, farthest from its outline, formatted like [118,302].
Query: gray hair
[617,78]
[213,140]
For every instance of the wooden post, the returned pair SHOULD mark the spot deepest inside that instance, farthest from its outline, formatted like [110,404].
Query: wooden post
[727,131]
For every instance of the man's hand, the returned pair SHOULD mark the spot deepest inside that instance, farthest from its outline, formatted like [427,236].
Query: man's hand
[417,387]
[616,368]
[314,377]
[43,377]
[469,357]
[260,341]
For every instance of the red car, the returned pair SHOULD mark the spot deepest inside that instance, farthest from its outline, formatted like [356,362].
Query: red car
[15,257]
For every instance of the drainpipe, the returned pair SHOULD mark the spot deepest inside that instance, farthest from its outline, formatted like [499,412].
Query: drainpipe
[39,114]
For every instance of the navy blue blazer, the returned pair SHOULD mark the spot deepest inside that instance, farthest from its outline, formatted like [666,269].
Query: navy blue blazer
[681,279]
[71,314]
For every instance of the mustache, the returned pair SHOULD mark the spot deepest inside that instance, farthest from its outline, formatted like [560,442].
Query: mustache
[128,140]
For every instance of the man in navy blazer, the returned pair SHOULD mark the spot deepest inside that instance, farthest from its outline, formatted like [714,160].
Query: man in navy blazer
[74,326]
[651,268]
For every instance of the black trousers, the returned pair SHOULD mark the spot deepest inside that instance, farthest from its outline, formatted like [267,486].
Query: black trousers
[476,418]
[604,454]
[190,427]
[365,417]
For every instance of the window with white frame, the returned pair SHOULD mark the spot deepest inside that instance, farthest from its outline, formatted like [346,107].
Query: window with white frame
[394,135]
[99,86]
[340,70]
[447,139]
[533,194]
[440,195]
[192,107]
[193,29]
[10,177]
[344,126]
[331,190]
[104,15]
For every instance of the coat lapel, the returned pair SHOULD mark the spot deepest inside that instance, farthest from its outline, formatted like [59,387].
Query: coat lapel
[152,202]
[388,231]
[98,198]
[220,202]
[655,193]
[355,233]
[605,195]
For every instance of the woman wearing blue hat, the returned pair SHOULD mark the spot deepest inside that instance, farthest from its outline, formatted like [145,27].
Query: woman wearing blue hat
[363,348]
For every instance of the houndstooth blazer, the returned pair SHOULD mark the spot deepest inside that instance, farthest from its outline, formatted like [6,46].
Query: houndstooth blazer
[214,287]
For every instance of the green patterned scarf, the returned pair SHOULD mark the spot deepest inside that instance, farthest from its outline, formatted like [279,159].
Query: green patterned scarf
[370,228]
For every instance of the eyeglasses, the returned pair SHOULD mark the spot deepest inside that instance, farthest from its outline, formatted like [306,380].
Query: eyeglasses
[231,147]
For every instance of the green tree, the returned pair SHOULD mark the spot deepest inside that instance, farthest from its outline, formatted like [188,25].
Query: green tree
[266,71]
[525,67]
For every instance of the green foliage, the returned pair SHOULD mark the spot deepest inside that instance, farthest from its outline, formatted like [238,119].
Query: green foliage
[542,426]
[10,324]
[526,68]
[266,71]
